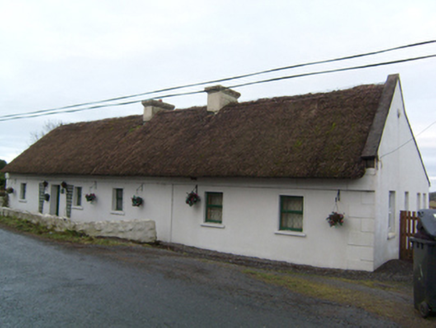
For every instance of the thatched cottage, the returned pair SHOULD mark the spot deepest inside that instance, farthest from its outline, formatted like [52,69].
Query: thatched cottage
[256,178]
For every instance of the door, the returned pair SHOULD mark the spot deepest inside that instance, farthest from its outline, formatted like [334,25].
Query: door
[54,199]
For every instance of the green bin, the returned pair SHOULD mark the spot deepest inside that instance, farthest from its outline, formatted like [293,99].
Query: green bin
[424,263]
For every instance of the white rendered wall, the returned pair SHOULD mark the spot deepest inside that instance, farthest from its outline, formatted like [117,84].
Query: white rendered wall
[157,198]
[400,169]
[29,204]
[250,224]
[250,215]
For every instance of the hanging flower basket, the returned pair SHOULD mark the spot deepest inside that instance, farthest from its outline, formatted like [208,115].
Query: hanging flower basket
[90,197]
[137,201]
[335,219]
[192,198]
[45,184]
[10,190]
[64,185]
[46,197]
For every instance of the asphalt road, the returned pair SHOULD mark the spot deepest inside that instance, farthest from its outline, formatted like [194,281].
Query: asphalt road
[46,284]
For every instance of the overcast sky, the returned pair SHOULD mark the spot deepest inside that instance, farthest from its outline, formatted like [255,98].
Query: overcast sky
[60,53]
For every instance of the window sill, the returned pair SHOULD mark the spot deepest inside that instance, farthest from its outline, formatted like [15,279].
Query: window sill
[118,213]
[22,201]
[213,225]
[391,235]
[80,208]
[290,233]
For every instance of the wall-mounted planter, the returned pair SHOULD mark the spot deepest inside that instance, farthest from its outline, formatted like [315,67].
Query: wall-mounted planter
[90,197]
[137,201]
[335,219]
[46,197]
[192,198]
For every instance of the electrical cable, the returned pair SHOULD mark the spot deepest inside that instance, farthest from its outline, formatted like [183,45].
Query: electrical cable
[334,70]
[411,139]
[21,116]
[220,80]
[86,108]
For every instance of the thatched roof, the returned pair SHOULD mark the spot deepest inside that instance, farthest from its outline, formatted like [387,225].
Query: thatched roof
[310,136]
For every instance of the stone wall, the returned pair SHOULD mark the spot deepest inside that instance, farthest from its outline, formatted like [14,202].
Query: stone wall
[143,231]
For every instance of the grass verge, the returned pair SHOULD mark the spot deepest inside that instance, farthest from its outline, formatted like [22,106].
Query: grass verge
[70,236]
[372,297]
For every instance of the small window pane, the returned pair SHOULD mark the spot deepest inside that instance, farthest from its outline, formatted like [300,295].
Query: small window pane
[215,199]
[214,214]
[293,204]
[292,221]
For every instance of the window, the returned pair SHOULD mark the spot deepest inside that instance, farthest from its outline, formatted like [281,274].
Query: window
[406,200]
[214,207]
[391,219]
[23,188]
[291,213]
[77,196]
[424,201]
[418,201]
[117,199]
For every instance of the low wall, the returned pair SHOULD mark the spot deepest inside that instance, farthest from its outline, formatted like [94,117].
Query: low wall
[143,231]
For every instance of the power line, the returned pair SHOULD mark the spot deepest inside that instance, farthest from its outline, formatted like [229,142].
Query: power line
[87,108]
[57,110]
[411,139]
[304,75]
[53,112]
[334,70]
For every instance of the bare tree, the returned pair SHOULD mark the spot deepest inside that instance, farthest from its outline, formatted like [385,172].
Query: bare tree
[2,175]
[47,127]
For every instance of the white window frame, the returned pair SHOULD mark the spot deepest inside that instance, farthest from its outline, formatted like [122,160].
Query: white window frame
[406,201]
[391,213]
[78,197]
[115,200]
[23,191]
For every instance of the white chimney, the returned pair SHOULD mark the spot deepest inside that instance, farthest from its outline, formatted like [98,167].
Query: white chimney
[219,96]
[151,107]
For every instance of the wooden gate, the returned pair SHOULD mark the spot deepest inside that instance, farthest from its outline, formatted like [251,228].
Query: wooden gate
[408,221]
